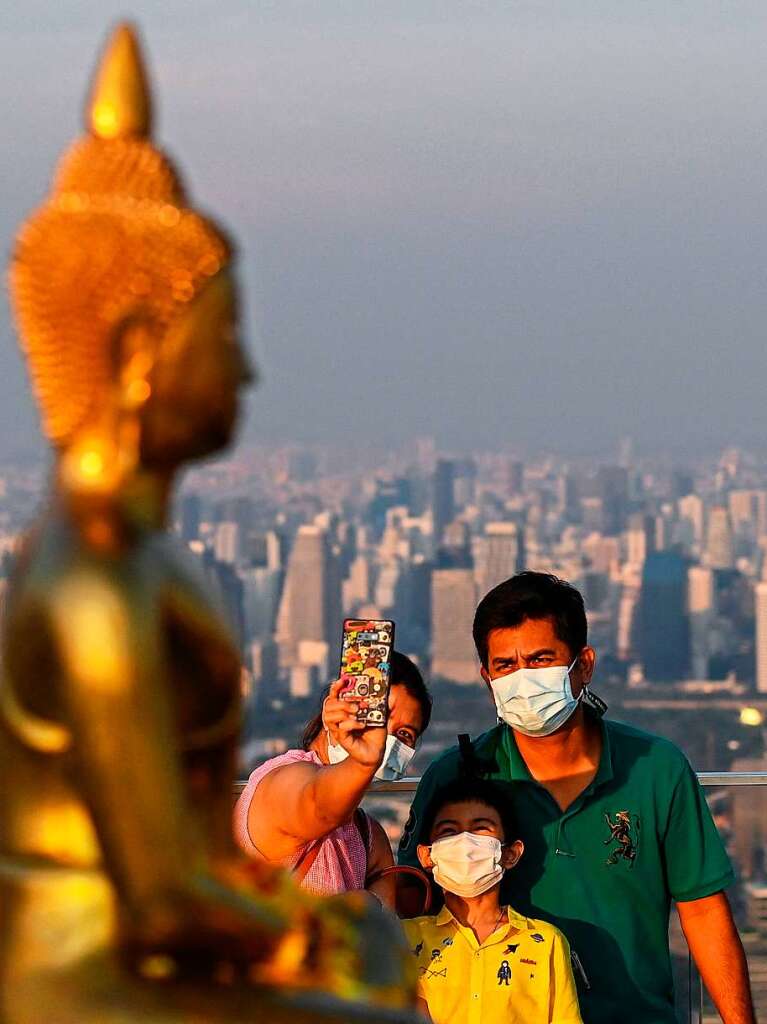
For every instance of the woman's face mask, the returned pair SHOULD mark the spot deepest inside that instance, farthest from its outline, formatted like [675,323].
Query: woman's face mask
[467,864]
[397,757]
[536,701]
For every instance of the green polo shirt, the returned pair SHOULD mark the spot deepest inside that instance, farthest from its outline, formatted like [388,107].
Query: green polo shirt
[605,870]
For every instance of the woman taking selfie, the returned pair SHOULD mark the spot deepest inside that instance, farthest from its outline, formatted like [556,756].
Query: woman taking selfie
[301,809]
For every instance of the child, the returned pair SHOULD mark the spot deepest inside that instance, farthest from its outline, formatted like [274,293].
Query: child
[477,960]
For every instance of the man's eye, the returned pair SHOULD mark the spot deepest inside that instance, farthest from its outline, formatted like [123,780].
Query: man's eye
[406,737]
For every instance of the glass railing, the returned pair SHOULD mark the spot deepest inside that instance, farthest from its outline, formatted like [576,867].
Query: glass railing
[738,801]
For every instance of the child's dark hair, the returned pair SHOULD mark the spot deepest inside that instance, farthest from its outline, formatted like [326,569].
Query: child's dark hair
[405,673]
[483,791]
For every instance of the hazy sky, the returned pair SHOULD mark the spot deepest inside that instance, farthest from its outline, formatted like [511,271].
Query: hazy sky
[538,223]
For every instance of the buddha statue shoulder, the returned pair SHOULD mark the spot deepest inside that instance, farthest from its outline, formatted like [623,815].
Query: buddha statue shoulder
[121,895]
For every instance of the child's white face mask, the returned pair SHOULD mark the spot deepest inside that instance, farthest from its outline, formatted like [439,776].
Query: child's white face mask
[467,864]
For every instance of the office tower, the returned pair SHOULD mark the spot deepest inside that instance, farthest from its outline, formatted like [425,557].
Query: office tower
[227,584]
[691,509]
[261,597]
[190,517]
[388,494]
[515,477]
[385,591]
[682,484]
[499,554]
[760,597]
[412,610]
[310,608]
[700,604]
[357,586]
[613,489]
[664,642]
[628,612]
[594,587]
[719,547]
[567,497]
[464,482]
[592,514]
[640,538]
[443,499]
[453,602]
[742,508]
[227,542]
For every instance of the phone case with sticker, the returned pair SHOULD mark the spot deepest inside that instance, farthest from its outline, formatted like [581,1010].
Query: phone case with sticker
[366,667]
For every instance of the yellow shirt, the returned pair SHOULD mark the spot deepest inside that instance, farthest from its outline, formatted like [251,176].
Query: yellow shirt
[521,974]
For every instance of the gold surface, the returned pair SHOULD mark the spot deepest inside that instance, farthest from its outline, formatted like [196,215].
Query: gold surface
[122,898]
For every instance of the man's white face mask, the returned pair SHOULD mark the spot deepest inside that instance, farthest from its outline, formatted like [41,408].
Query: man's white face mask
[397,756]
[536,701]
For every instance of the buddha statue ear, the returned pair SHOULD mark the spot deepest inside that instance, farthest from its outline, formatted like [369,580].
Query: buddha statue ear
[119,105]
[133,354]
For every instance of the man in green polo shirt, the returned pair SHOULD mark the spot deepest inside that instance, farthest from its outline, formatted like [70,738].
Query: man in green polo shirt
[614,822]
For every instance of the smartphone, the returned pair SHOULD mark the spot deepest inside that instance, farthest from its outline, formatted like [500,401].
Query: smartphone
[366,667]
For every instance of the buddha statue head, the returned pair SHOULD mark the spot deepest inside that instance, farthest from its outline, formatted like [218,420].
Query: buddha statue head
[123,296]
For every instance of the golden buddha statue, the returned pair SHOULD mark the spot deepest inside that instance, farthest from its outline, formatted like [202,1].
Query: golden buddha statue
[121,896]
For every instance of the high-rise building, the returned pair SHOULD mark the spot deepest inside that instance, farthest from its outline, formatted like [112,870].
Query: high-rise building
[640,538]
[613,489]
[443,499]
[310,608]
[761,635]
[499,554]
[191,515]
[464,482]
[261,597]
[453,601]
[227,542]
[515,477]
[700,604]
[719,547]
[664,641]
[691,508]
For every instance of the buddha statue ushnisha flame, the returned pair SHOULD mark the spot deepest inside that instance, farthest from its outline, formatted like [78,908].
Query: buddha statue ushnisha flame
[121,895]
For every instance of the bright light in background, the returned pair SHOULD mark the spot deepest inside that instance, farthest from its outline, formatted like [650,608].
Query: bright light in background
[751,716]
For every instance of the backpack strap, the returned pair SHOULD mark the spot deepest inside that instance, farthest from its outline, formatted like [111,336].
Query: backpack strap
[362,821]
[303,865]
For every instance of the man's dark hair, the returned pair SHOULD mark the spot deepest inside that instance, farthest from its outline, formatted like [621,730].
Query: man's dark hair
[403,673]
[531,595]
[483,791]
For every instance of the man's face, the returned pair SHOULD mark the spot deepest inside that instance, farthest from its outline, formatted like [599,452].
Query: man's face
[535,644]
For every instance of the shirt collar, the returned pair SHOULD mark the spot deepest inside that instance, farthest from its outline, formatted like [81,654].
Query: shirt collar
[518,921]
[519,772]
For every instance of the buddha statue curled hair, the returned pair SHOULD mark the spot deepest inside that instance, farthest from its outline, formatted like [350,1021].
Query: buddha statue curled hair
[114,243]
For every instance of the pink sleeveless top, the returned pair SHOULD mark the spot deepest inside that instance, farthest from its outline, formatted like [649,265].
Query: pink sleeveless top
[341,863]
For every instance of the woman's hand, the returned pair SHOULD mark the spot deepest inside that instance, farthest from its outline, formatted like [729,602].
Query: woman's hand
[363,744]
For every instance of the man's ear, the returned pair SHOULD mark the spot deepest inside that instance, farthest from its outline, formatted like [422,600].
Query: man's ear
[584,669]
[423,852]
[486,677]
[510,854]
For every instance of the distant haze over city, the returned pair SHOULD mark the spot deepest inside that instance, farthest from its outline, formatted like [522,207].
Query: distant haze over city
[502,224]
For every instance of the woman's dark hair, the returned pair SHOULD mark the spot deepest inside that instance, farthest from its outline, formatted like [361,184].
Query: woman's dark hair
[403,673]
[531,595]
[483,791]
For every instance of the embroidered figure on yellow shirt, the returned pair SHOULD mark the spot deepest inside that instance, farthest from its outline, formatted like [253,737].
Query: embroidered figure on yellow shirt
[504,973]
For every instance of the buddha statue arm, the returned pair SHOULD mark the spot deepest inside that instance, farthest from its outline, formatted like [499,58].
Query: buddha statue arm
[127,760]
